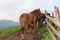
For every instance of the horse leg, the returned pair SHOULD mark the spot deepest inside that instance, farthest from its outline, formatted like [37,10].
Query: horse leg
[22,31]
[29,29]
[35,26]
[39,23]
[32,27]
[42,23]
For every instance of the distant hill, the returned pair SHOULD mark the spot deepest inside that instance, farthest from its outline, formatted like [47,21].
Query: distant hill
[7,23]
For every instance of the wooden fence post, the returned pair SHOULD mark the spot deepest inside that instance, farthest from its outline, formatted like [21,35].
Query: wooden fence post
[57,16]
[56,13]
[45,18]
[46,23]
[52,15]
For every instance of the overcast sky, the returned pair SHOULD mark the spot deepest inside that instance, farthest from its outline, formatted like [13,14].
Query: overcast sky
[12,9]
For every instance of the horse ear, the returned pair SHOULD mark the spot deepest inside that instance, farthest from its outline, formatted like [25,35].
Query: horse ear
[38,10]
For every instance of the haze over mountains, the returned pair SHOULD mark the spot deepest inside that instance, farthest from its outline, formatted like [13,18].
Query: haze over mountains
[7,23]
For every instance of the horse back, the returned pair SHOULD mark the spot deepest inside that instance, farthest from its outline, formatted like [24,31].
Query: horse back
[24,18]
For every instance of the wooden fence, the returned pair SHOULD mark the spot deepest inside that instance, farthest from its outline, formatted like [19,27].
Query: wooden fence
[56,21]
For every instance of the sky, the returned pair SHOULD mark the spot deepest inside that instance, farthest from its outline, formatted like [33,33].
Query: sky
[12,9]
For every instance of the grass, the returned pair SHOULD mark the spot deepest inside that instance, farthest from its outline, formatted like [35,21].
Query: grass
[9,30]
[44,34]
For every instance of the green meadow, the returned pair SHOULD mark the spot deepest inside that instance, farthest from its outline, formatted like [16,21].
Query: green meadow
[43,32]
[9,30]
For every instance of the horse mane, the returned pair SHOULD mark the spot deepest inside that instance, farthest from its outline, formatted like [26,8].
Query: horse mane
[35,11]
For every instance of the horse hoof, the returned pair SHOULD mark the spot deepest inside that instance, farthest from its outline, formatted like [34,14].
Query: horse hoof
[22,37]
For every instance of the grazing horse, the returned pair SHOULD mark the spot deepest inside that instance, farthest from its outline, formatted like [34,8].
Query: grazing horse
[42,19]
[28,19]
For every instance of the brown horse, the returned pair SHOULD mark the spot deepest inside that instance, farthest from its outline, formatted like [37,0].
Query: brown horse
[28,19]
[42,19]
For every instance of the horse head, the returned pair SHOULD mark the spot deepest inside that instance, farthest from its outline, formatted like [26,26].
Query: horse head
[36,12]
[43,16]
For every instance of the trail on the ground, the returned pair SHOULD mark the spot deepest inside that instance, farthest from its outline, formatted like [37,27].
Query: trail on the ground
[17,36]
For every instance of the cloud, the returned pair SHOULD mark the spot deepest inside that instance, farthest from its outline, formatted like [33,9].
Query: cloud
[8,5]
[11,9]
[28,4]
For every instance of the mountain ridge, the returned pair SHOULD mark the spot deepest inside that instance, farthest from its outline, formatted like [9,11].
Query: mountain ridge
[7,23]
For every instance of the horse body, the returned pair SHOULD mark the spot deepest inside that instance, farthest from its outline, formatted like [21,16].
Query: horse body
[29,19]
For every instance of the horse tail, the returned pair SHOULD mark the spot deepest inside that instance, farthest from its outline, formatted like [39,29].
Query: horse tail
[22,20]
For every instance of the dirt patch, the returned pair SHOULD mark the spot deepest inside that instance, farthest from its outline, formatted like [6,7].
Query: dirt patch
[17,36]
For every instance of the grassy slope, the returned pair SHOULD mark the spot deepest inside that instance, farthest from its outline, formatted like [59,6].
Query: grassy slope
[9,30]
[44,34]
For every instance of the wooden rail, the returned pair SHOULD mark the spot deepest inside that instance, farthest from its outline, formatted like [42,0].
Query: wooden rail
[56,21]
[52,36]
[53,29]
